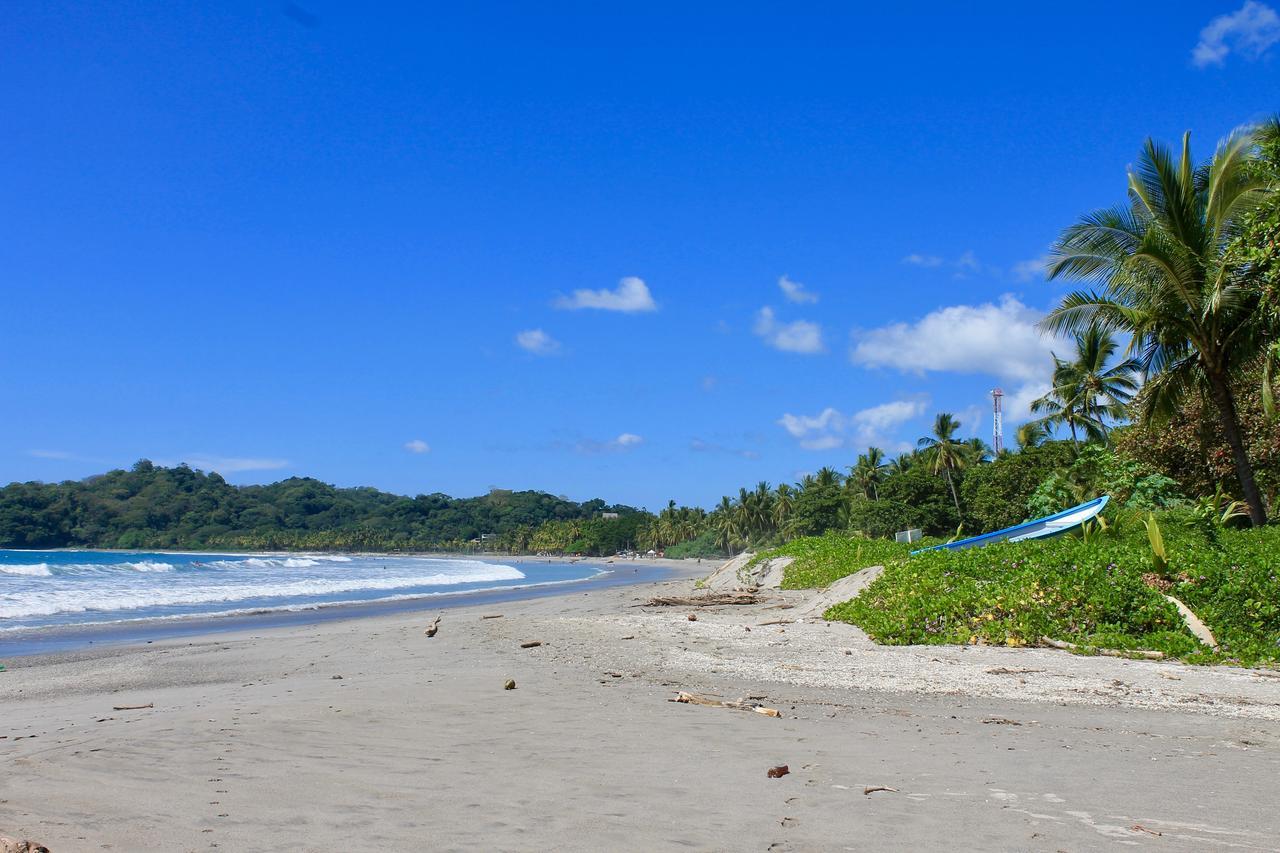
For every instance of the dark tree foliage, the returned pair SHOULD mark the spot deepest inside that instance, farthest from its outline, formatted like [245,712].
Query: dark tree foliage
[154,507]
[1192,449]
[995,495]
[932,509]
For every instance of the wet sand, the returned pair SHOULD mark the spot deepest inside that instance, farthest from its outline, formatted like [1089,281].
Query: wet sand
[366,734]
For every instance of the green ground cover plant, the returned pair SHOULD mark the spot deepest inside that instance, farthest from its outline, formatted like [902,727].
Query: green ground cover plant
[1104,589]
[822,560]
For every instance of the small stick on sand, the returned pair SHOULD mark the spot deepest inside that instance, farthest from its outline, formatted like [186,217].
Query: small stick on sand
[132,707]
[776,622]
[532,644]
[740,705]
[871,789]
[432,628]
[492,616]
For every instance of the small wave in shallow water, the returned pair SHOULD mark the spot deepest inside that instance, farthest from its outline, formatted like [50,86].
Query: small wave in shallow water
[39,589]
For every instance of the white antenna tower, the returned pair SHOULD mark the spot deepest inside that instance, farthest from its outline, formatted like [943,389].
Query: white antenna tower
[997,422]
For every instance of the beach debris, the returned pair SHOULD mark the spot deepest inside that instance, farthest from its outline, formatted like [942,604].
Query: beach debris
[692,617]
[432,628]
[1137,827]
[132,707]
[510,684]
[1001,721]
[739,705]
[1004,670]
[778,772]
[532,644]
[21,845]
[871,789]
[335,677]
[629,637]
[775,622]
[711,599]
[492,616]
[1145,654]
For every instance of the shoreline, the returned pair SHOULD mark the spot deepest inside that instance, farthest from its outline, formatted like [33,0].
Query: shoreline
[307,737]
[42,640]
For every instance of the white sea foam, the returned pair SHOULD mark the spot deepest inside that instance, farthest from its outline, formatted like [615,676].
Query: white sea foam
[37,570]
[81,598]
[149,566]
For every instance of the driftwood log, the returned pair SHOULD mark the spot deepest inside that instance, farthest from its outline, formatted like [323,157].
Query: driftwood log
[738,705]
[711,599]
[132,707]
[1145,654]
[433,627]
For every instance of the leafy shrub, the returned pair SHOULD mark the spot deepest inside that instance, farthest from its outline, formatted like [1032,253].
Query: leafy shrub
[703,546]
[822,560]
[1094,593]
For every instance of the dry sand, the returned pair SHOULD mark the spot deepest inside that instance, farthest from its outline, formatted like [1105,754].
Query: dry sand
[365,734]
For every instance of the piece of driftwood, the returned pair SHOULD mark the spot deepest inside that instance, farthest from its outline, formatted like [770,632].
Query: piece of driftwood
[871,789]
[1004,670]
[775,622]
[778,772]
[711,599]
[739,705]
[532,644]
[132,707]
[492,616]
[432,628]
[1145,654]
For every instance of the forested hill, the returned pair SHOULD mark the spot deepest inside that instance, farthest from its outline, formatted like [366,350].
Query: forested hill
[150,506]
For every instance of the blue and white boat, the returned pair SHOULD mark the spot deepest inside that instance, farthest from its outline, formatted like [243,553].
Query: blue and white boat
[1040,528]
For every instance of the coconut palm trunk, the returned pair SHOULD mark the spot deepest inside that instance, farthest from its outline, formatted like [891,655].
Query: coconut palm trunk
[1220,390]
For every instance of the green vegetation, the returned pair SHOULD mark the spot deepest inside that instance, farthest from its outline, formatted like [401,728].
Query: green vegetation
[821,560]
[154,507]
[1104,590]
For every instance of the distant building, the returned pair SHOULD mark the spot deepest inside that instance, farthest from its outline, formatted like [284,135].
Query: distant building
[608,515]
[486,537]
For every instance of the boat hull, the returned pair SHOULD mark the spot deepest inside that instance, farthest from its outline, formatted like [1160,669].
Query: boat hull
[1040,528]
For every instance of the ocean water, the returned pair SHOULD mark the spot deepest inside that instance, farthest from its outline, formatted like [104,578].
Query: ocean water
[60,588]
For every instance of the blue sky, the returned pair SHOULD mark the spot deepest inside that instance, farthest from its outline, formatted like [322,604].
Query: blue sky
[640,253]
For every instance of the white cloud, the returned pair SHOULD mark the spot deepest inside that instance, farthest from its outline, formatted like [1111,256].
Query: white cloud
[417,446]
[799,336]
[50,454]
[918,260]
[830,429]
[1034,269]
[1250,31]
[968,262]
[996,339]
[232,464]
[630,297]
[794,291]
[537,342]
[625,441]
[1017,404]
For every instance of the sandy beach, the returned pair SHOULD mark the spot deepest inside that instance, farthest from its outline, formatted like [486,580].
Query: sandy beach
[366,734]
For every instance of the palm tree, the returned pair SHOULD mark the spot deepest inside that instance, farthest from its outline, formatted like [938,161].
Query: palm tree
[943,452]
[1032,434]
[1161,274]
[783,501]
[979,451]
[902,463]
[876,467]
[1086,393]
